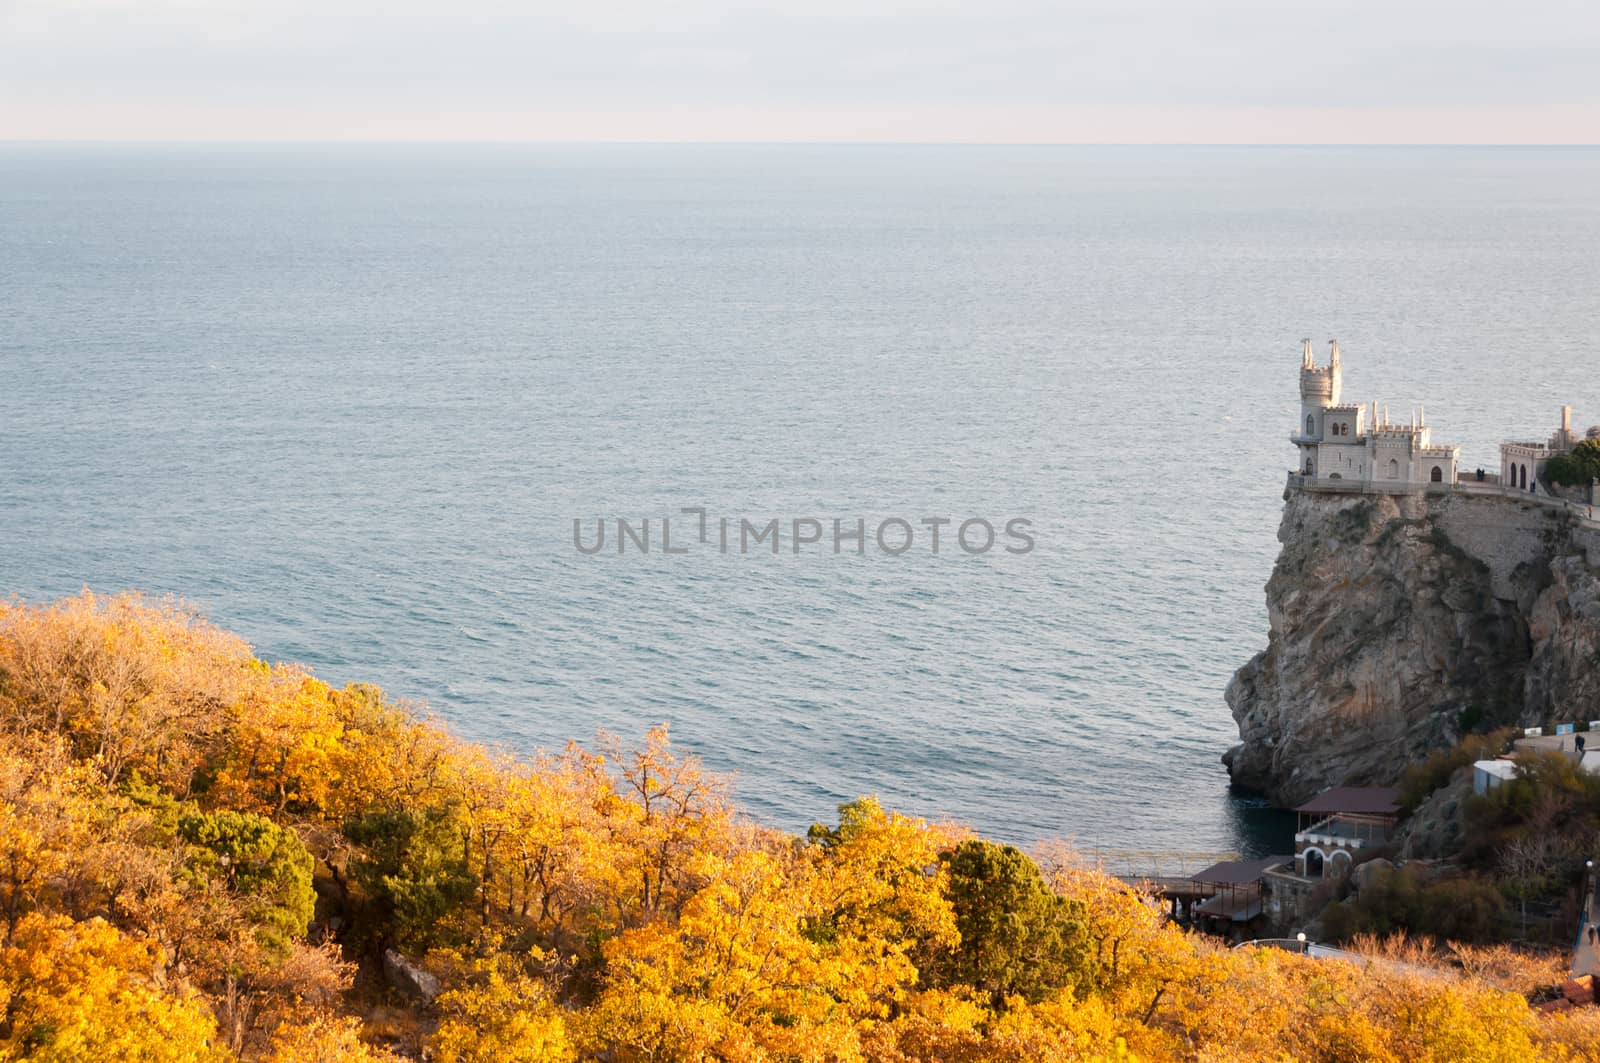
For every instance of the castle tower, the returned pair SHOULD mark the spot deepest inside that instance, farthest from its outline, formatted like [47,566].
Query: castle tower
[1564,439]
[1319,389]
[1319,392]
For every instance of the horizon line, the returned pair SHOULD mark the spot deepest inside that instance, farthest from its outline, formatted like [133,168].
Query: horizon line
[553,142]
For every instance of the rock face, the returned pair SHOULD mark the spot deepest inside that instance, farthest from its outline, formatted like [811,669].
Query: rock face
[1438,825]
[1400,622]
[412,981]
[1365,874]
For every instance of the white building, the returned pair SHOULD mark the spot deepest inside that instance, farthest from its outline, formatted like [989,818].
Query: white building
[1521,464]
[1487,774]
[1346,441]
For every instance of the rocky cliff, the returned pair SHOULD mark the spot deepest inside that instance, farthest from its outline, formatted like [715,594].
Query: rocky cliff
[1400,622]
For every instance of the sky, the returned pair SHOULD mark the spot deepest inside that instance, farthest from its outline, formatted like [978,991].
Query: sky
[963,71]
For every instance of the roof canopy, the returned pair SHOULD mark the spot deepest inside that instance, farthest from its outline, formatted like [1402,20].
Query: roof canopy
[1239,872]
[1357,800]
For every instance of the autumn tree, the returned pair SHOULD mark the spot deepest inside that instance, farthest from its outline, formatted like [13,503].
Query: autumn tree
[133,683]
[880,888]
[167,804]
[84,991]
[322,1037]
[661,811]
[500,1011]
[736,976]
[46,822]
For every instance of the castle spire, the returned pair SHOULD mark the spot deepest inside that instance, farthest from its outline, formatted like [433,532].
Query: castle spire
[1333,358]
[1308,360]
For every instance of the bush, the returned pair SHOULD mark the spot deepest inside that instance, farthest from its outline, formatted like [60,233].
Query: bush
[266,865]
[1579,466]
[1435,773]
[1454,909]
[416,872]
[1535,831]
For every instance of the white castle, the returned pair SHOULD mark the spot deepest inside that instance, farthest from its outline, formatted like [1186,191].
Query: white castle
[1338,441]
[1351,442]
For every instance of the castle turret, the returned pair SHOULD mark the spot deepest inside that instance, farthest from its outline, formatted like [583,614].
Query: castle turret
[1564,439]
[1319,389]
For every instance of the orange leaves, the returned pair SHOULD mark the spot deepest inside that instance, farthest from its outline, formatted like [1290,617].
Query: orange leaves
[134,683]
[667,927]
[736,976]
[500,1012]
[85,991]
[323,1038]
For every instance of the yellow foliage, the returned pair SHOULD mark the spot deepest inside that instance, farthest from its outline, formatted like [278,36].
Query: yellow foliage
[667,928]
[85,992]
[500,1015]
[736,975]
[134,684]
[323,1038]
[881,893]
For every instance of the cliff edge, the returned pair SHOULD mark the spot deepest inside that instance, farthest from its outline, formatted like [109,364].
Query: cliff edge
[1400,622]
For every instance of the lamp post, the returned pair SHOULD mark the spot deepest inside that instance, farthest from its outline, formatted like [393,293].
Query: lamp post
[1585,928]
[1301,937]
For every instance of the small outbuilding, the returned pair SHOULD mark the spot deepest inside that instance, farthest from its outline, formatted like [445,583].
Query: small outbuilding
[1336,824]
[1238,889]
[1487,774]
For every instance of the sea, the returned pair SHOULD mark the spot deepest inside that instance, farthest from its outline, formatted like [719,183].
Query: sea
[349,401]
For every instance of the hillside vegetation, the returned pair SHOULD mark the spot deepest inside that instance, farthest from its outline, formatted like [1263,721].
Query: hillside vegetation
[204,857]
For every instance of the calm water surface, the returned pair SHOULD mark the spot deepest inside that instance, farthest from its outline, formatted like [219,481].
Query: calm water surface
[348,401]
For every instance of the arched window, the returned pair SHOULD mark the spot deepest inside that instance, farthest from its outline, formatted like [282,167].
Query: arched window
[1437,476]
[1313,863]
[1524,476]
[1394,469]
[1311,426]
[1339,863]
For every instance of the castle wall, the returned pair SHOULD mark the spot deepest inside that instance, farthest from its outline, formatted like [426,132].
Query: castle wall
[1501,533]
[1346,462]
